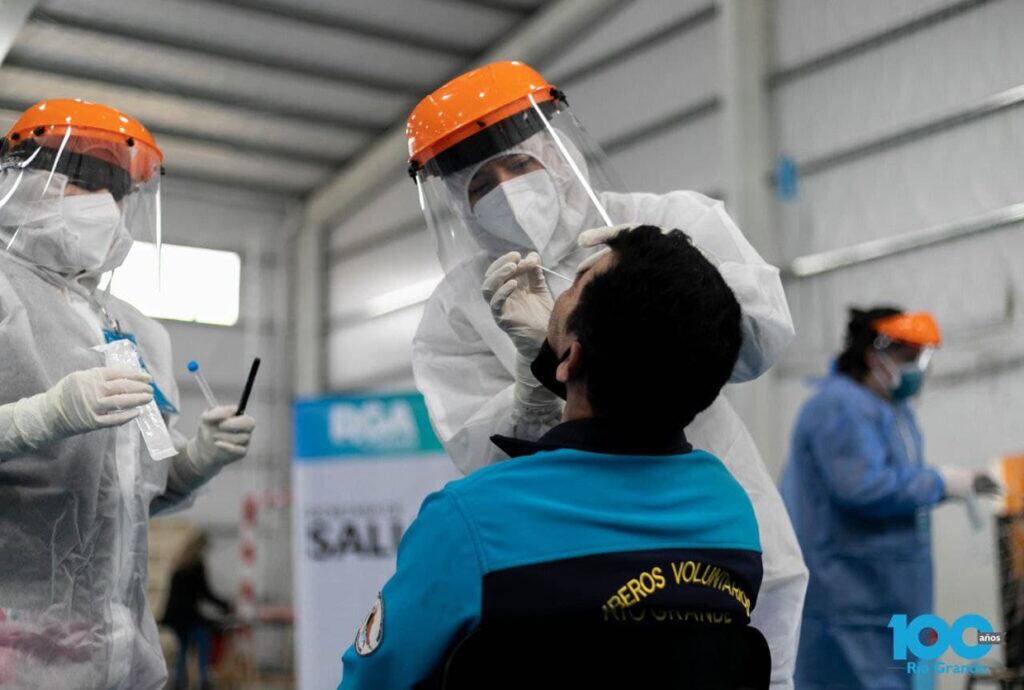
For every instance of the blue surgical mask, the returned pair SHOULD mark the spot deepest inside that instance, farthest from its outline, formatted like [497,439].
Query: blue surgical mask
[904,380]
[909,384]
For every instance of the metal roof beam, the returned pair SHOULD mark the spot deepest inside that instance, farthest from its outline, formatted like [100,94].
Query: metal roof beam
[270,148]
[185,90]
[353,25]
[495,5]
[19,88]
[253,57]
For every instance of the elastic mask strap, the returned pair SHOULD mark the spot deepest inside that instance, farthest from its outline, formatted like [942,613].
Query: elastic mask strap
[159,243]
[56,159]
[419,192]
[7,197]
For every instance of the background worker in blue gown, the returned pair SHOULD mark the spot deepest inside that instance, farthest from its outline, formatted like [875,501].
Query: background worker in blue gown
[859,492]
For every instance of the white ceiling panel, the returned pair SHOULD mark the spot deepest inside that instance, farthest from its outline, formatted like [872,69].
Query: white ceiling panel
[184,116]
[47,46]
[188,158]
[264,39]
[461,27]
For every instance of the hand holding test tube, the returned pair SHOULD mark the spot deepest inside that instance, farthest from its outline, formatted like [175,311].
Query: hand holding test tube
[224,431]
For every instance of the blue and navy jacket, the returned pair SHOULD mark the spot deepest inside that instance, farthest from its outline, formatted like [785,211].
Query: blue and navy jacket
[592,522]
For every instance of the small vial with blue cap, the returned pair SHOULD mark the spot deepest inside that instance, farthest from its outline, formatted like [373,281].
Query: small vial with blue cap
[204,386]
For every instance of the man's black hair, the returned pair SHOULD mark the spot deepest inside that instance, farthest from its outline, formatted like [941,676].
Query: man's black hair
[860,335]
[660,331]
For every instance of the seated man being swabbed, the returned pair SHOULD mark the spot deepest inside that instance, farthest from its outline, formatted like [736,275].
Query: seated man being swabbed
[611,526]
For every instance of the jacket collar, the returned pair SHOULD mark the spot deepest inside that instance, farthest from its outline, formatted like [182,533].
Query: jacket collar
[596,435]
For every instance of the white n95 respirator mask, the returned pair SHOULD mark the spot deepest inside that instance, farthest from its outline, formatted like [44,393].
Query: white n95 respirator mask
[523,211]
[94,234]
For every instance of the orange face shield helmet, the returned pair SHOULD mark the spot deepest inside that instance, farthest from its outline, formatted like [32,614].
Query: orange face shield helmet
[90,143]
[64,147]
[916,330]
[475,134]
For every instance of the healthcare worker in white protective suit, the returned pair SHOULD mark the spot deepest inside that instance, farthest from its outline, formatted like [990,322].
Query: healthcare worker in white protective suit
[503,169]
[77,483]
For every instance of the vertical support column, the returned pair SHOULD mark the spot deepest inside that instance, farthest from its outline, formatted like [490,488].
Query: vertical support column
[745,40]
[745,44]
[308,306]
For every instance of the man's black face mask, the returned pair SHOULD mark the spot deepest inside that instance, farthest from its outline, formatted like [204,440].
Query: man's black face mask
[544,367]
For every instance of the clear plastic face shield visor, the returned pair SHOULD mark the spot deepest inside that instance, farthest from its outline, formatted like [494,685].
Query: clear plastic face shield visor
[65,193]
[904,355]
[530,182]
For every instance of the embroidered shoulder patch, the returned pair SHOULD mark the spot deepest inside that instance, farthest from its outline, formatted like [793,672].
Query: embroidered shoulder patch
[371,632]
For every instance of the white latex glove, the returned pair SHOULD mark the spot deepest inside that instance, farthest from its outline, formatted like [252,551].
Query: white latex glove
[222,438]
[598,236]
[81,402]
[959,482]
[521,305]
[520,300]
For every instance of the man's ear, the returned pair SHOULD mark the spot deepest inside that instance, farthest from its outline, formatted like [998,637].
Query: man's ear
[571,366]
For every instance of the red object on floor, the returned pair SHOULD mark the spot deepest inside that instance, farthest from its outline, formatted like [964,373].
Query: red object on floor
[217,646]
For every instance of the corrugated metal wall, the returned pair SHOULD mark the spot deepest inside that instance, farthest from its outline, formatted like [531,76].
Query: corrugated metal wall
[904,91]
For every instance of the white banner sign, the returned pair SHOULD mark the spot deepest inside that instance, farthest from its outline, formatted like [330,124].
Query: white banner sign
[362,467]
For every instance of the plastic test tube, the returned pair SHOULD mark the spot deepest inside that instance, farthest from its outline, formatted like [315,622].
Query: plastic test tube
[193,366]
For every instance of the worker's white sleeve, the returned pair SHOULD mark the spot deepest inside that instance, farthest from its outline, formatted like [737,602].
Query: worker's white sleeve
[468,391]
[780,601]
[180,491]
[780,605]
[767,324]
[21,426]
